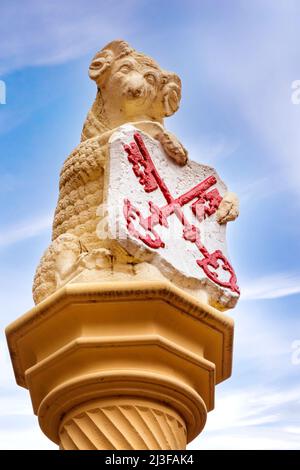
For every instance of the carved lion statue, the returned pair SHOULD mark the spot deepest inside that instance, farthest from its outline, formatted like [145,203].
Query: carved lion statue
[131,88]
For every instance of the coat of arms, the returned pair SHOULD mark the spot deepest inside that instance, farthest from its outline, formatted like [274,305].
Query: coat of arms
[166,213]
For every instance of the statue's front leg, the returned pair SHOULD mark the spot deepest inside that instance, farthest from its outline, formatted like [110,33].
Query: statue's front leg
[171,145]
[173,148]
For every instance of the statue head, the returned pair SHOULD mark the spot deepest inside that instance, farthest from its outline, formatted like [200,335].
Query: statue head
[134,83]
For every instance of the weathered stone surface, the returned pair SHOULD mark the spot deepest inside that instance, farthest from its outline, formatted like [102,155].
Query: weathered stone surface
[176,257]
[133,89]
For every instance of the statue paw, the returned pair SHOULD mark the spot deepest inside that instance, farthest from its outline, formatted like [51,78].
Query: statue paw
[228,209]
[96,258]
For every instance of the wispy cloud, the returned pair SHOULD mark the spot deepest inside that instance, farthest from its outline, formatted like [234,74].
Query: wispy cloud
[272,286]
[258,189]
[256,72]
[26,437]
[27,229]
[207,149]
[252,419]
[65,30]
[292,429]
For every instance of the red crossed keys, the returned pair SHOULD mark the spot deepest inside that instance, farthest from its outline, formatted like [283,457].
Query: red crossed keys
[205,205]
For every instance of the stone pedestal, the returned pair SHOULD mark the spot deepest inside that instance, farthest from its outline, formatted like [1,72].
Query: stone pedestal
[121,366]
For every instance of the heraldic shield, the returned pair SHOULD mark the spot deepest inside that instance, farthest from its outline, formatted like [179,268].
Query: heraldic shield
[166,214]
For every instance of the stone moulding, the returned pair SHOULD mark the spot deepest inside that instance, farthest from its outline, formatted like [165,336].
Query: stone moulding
[87,344]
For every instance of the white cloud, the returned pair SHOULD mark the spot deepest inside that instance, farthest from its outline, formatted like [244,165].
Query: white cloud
[292,429]
[19,428]
[272,286]
[7,375]
[29,438]
[254,64]
[261,439]
[260,343]
[27,229]
[65,30]
[252,419]
[258,189]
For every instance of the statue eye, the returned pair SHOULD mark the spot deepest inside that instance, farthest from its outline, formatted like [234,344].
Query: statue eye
[150,78]
[125,68]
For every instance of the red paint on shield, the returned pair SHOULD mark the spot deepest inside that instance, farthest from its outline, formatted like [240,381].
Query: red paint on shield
[206,204]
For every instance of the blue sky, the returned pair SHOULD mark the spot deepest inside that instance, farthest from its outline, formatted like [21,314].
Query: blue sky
[237,60]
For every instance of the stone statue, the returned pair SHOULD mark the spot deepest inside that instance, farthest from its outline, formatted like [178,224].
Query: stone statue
[127,342]
[134,95]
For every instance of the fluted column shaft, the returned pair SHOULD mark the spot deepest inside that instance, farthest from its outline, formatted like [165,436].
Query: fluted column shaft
[122,424]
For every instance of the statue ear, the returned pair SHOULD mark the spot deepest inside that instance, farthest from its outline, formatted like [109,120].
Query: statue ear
[171,93]
[100,63]
[104,59]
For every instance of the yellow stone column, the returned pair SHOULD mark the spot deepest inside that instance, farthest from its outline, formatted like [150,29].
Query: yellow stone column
[121,365]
